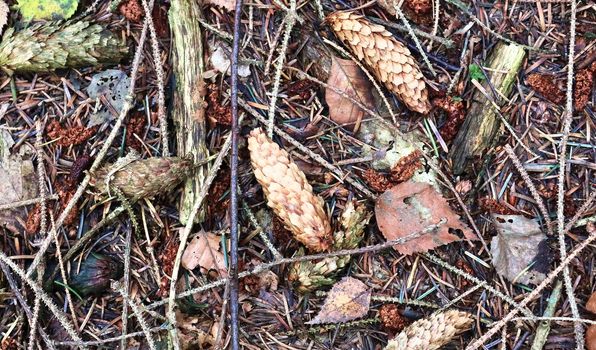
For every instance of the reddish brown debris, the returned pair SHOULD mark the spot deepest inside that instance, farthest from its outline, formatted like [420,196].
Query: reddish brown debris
[546,86]
[405,168]
[132,10]
[166,259]
[218,204]
[76,171]
[419,6]
[464,266]
[160,20]
[569,207]
[250,284]
[135,126]
[376,181]
[455,116]
[495,207]
[584,81]
[216,113]
[65,194]
[301,88]
[281,235]
[9,344]
[33,220]
[391,319]
[69,137]
[548,190]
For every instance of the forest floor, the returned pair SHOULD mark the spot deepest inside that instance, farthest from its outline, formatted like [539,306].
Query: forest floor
[355,140]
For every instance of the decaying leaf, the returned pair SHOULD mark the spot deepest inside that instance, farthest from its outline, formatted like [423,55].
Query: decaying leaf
[204,251]
[4,12]
[113,84]
[349,299]
[519,250]
[47,9]
[411,207]
[393,148]
[18,179]
[220,60]
[195,331]
[347,77]
[226,4]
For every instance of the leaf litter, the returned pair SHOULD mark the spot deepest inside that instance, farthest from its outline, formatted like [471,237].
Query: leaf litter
[273,310]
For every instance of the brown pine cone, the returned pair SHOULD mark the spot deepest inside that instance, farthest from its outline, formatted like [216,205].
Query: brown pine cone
[390,61]
[432,332]
[288,193]
[143,178]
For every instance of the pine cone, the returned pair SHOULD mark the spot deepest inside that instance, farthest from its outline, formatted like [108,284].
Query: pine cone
[390,61]
[144,178]
[49,46]
[310,275]
[288,193]
[432,332]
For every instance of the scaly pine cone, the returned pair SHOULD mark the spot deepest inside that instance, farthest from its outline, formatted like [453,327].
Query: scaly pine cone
[390,61]
[288,193]
[310,275]
[49,46]
[143,178]
[432,332]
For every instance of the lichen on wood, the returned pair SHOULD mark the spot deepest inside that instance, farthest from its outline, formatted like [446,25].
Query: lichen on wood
[189,96]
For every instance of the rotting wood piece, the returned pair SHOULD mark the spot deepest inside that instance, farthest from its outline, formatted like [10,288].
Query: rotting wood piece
[189,104]
[482,122]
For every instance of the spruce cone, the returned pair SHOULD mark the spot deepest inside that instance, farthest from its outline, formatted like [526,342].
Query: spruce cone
[48,46]
[390,61]
[432,332]
[310,275]
[144,178]
[288,193]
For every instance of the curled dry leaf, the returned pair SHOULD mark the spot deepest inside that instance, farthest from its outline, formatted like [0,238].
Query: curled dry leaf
[349,299]
[204,251]
[347,77]
[519,250]
[411,207]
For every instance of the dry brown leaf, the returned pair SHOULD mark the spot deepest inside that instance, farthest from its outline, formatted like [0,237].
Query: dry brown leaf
[591,304]
[18,180]
[204,251]
[348,300]
[591,337]
[4,12]
[519,244]
[412,206]
[226,4]
[346,76]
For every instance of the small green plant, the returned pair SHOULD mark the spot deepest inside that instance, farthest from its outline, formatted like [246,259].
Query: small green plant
[476,72]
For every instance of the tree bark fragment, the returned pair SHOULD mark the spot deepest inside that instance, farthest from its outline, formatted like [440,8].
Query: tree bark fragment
[482,123]
[189,105]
